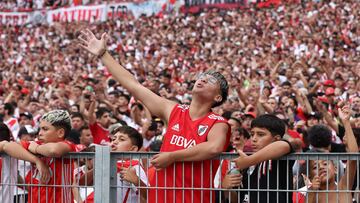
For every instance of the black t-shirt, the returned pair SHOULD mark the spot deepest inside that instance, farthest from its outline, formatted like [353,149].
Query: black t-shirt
[268,175]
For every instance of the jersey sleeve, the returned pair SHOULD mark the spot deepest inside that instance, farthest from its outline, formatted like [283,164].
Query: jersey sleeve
[71,145]
[25,144]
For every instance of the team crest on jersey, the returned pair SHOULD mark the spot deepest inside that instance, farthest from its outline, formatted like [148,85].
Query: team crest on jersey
[176,127]
[202,129]
[183,107]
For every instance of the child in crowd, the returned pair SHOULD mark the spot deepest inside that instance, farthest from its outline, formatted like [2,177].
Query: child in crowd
[266,172]
[322,173]
[50,169]
[130,172]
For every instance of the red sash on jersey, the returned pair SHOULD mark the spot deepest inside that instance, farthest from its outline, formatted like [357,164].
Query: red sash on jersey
[183,133]
[119,165]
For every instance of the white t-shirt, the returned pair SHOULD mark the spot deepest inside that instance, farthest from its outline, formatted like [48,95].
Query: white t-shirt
[8,178]
[128,192]
[83,191]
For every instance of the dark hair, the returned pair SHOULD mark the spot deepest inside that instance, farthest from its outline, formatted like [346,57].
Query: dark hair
[286,83]
[77,115]
[111,82]
[79,87]
[319,136]
[84,127]
[270,122]
[5,133]
[127,97]
[243,132]
[101,111]
[10,108]
[135,137]
[227,114]
[73,136]
[89,149]
[115,93]
[235,119]
[77,106]
[224,87]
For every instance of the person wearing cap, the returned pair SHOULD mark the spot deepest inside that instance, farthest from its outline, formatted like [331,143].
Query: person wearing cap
[55,127]
[247,119]
[27,133]
[26,118]
[313,118]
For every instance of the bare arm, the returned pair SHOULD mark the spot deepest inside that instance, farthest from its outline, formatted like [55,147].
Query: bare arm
[91,112]
[16,151]
[347,180]
[266,153]
[206,150]
[50,149]
[158,106]
[203,151]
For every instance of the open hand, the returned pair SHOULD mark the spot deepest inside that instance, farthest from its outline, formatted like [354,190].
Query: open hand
[89,42]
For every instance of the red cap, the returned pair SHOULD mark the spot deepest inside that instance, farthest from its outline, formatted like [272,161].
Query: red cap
[251,113]
[329,91]
[329,83]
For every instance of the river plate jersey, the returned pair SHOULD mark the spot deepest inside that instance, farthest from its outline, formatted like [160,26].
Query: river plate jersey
[184,133]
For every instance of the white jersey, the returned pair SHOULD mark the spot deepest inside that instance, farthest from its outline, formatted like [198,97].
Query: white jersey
[128,192]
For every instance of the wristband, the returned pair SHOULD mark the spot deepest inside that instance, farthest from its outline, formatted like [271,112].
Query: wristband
[102,53]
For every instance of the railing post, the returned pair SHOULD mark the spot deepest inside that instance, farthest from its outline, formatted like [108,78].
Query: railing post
[102,174]
[113,178]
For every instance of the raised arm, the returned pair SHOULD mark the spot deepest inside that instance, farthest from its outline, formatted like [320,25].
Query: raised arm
[203,151]
[347,180]
[157,105]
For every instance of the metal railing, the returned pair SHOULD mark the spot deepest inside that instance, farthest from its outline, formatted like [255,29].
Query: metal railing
[271,181]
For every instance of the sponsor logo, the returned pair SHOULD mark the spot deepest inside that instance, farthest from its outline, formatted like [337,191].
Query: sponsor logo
[202,129]
[176,127]
[182,142]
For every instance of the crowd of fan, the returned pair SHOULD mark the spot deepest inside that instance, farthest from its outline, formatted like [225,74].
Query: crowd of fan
[296,61]
[30,5]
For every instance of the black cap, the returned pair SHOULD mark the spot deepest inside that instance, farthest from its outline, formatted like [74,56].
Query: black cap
[313,114]
[27,115]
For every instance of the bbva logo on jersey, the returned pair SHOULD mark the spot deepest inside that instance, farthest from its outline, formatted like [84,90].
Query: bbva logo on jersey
[202,129]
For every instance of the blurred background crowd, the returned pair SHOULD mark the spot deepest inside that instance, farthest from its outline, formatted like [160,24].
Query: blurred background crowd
[297,60]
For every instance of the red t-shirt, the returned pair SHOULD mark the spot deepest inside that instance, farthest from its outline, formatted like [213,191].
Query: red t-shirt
[100,134]
[183,133]
[58,188]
